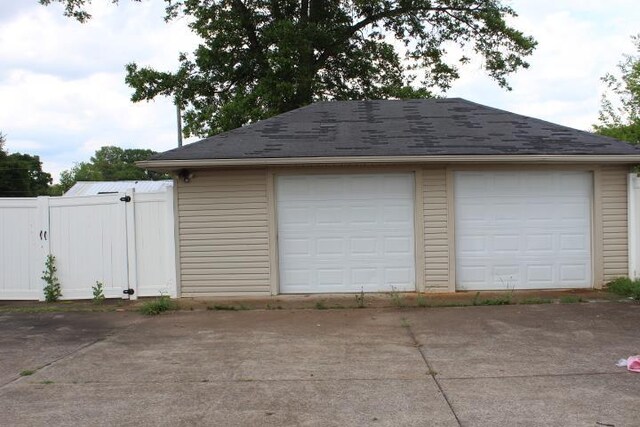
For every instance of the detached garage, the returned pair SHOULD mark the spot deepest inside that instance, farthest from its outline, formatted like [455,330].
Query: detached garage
[421,195]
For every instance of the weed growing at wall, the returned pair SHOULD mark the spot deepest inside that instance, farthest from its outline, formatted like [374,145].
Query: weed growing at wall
[397,297]
[625,287]
[360,299]
[157,306]
[98,293]
[52,289]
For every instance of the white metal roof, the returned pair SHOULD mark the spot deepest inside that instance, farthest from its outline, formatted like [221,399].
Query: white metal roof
[91,188]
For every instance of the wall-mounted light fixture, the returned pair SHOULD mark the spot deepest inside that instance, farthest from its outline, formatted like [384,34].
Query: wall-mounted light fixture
[186,175]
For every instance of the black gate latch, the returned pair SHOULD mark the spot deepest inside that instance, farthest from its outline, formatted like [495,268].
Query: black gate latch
[128,291]
[125,199]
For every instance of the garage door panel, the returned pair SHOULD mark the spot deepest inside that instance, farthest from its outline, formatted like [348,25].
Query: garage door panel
[536,242]
[330,246]
[506,243]
[574,242]
[295,246]
[361,237]
[533,231]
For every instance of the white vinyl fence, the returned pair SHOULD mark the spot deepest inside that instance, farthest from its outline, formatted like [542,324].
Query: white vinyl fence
[123,240]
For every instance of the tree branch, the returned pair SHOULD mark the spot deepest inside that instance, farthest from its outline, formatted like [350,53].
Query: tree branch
[391,13]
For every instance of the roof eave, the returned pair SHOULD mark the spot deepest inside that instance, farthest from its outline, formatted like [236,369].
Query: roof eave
[276,161]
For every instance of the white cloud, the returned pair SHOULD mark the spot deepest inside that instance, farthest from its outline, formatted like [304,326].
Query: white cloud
[62,83]
[578,42]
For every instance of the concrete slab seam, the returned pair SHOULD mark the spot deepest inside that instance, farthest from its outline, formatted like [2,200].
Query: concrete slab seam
[431,371]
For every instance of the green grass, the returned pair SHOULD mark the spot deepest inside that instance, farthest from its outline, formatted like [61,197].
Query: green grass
[495,301]
[535,300]
[224,307]
[397,297]
[570,299]
[421,300]
[157,306]
[503,300]
[625,287]
[27,372]
[320,306]
[46,382]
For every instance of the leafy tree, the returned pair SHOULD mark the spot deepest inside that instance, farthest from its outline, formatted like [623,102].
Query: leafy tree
[110,164]
[259,58]
[621,118]
[21,175]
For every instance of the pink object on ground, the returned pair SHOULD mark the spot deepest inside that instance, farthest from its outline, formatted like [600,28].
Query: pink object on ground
[633,363]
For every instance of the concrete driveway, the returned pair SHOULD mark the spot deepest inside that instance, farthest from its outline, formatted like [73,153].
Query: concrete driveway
[510,365]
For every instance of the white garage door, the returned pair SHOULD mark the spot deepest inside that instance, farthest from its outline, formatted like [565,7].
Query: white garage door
[523,230]
[344,233]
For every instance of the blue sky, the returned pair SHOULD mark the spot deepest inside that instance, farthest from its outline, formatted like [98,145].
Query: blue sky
[62,90]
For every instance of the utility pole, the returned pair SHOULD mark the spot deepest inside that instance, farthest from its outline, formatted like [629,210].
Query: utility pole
[179,118]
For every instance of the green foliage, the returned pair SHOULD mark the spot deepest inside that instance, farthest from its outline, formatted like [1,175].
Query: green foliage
[625,287]
[110,164]
[27,372]
[570,299]
[98,293]
[157,306]
[501,300]
[621,118]
[21,175]
[504,300]
[52,289]
[224,307]
[397,297]
[320,305]
[260,58]
[263,57]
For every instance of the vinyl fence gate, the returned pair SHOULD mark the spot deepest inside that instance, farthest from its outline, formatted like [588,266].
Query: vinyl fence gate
[123,240]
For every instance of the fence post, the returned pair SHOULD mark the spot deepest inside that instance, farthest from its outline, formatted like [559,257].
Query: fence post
[632,192]
[44,236]
[132,263]
[170,225]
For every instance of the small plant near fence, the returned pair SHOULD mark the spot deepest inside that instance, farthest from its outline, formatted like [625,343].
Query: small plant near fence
[52,289]
[98,293]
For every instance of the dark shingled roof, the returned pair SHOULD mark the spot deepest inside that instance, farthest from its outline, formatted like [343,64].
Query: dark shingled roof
[397,128]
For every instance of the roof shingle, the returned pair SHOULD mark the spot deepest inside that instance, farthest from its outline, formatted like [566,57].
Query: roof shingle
[423,127]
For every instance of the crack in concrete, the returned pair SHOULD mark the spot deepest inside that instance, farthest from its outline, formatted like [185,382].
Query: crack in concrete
[247,381]
[71,353]
[63,356]
[432,373]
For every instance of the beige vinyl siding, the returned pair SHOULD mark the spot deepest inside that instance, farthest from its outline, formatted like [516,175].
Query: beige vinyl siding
[436,229]
[225,223]
[224,239]
[614,221]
